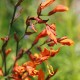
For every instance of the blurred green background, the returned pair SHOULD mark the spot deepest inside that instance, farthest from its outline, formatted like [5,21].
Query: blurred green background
[68,24]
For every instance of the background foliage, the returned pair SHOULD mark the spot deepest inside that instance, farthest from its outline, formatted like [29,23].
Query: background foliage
[68,59]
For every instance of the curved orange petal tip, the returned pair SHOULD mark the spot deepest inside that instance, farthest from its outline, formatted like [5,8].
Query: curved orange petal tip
[45,52]
[54,52]
[46,3]
[8,51]
[51,33]
[40,35]
[68,42]
[52,26]
[59,8]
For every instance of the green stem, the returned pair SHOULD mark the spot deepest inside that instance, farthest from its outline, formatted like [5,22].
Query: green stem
[5,72]
[24,34]
[12,20]
[4,58]
[17,47]
[28,51]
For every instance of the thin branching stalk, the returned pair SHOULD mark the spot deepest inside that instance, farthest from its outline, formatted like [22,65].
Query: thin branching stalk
[17,47]
[4,58]
[12,20]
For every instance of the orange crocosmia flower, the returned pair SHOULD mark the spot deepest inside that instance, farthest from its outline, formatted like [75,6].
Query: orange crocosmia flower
[54,52]
[68,42]
[25,76]
[16,76]
[41,75]
[27,79]
[58,40]
[45,52]
[19,69]
[51,33]
[59,8]
[36,59]
[46,3]
[18,72]
[31,71]
[29,63]
[33,57]
[52,26]
[40,35]
[39,58]
[30,68]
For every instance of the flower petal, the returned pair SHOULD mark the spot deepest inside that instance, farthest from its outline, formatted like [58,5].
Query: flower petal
[50,34]
[59,8]
[40,35]
[68,42]
[45,52]
[46,3]
[54,52]
[41,75]
[8,51]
